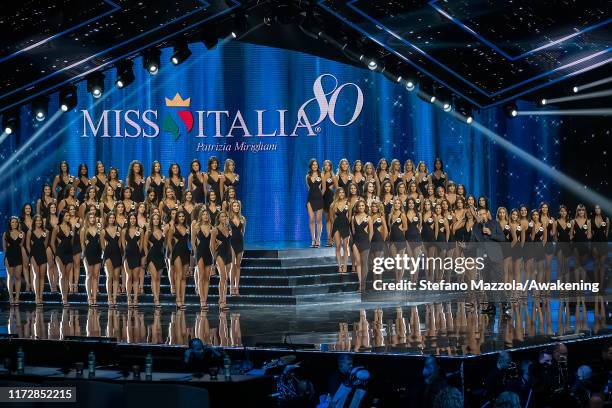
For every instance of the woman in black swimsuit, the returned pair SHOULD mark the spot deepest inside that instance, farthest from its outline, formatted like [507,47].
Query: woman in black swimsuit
[115,183]
[231,179]
[314,202]
[379,230]
[362,229]
[131,239]
[111,245]
[82,182]
[75,223]
[177,241]
[328,197]
[11,245]
[197,182]
[439,178]
[42,204]
[61,243]
[600,225]
[136,181]
[154,247]
[221,247]
[90,240]
[36,240]
[341,228]
[397,234]
[90,203]
[62,180]
[176,181]
[215,178]
[581,235]
[563,249]
[99,180]
[156,181]
[51,221]
[200,235]
[238,225]
[25,225]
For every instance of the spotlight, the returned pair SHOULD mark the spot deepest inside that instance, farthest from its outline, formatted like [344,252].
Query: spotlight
[511,110]
[465,110]
[209,37]
[181,52]
[240,24]
[40,108]
[543,102]
[410,85]
[372,65]
[151,60]
[10,121]
[426,90]
[575,89]
[68,98]
[445,97]
[95,84]
[125,73]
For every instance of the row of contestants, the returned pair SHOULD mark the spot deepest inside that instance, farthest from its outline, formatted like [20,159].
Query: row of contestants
[197,182]
[408,223]
[381,182]
[212,241]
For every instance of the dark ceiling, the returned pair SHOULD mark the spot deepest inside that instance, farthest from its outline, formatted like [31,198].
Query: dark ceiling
[483,51]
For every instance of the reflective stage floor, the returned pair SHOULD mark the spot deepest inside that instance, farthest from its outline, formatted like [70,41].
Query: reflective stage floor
[449,326]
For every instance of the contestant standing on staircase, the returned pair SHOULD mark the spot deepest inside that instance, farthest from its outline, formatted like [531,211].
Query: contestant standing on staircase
[362,228]
[201,231]
[136,181]
[75,223]
[328,198]
[61,180]
[238,225]
[154,249]
[25,225]
[132,241]
[111,246]
[215,179]
[341,228]
[220,246]
[176,181]
[90,241]
[51,221]
[397,229]
[61,243]
[314,203]
[36,239]
[11,245]
[197,182]
[99,180]
[343,176]
[156,181]
[82,182]
[231,179]
[177,241]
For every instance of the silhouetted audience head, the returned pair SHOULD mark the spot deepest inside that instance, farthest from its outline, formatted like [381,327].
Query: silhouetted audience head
[507,399]
[448,397]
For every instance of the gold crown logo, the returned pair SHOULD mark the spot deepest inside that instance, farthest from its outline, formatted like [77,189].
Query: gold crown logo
[177,101]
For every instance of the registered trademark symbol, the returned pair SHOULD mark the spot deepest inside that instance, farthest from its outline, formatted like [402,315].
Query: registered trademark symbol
[318,129]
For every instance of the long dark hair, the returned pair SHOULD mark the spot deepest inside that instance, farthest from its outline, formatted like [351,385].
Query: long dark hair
[438,160]
[170,170]
[153,168]
[67,168]
[210,162]
[82,166]
[23,207]
[310,163]
[191,166]
[131,174]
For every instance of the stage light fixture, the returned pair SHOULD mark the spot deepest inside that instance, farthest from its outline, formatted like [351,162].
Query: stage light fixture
[125,73]
[580,88]
[209,37]
[464,110]
[410,85]
[40,108]
[151,60]
[445,97]
[10,121]
[575,89]
[95,84]
[372,65]
[543,102]
[181,52]
[68,98]
[426,90]
[511,110]
[240,24]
